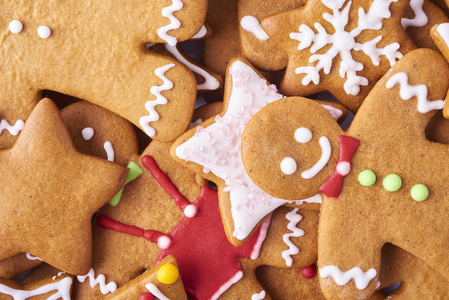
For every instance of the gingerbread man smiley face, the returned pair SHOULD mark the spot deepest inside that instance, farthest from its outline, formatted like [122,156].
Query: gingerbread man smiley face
[303,153]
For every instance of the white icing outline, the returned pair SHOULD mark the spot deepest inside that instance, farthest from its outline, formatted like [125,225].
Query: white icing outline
[160,100]
[109,150]
[227,285]
[155,291]
[13,129]
[200,34]
[259,296]
[420,18]
[210,83]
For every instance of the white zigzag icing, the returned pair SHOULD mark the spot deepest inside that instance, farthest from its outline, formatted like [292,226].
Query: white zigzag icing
[160,100]
[419,91]
[294,219]
[101,280]
[13,129]
[155,291]
[174,22]
[361,279]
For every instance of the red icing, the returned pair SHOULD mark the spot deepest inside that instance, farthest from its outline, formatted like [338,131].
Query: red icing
[108,223]
[205,257]
[165,182]
[309,271]
[146,296]
[333,185]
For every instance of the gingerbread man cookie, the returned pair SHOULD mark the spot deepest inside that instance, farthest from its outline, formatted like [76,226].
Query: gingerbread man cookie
[66,51]
[381,182]
[339,46]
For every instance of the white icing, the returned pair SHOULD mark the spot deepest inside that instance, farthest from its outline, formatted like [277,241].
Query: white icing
[155,291]
[303,135]
[164,242]
[44,32]
[294,219]
[335,112]
[252,25]
[160,100]
[87,133]
[326,152]
[109,150]
[196,123]
[15,26]
[343,168]
[218,148]
[443,30]
[343,42]
[61,287]
[226,285]
[420,18]
[419,91]
[210,82]
[313,199]
[202,33]
[32,257]
[174,22]
[262,235]
[101,280]
[361,279]
[13,129]
[190,211]
[288,166]
[259,296]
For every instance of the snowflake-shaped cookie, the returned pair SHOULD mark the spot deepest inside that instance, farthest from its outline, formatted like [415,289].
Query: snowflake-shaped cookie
[344,46]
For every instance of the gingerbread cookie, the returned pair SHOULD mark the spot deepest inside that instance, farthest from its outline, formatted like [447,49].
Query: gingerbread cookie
[108,67]
[213,150]
[47,176]
[333,47]
[382,181]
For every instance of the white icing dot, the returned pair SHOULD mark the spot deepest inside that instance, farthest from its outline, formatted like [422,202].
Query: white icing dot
[15,26]
[87,133]
[343,168]
[288,166]
[164,242]
[190,211]
[303,135]
[44,32]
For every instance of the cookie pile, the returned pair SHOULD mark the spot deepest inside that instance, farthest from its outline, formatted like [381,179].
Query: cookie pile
[118,183]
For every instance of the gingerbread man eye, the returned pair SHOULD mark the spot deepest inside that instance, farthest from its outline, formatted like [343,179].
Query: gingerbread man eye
[288,165]
[303,135]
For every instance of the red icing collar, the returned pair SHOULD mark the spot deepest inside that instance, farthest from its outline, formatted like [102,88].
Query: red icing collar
[333,185]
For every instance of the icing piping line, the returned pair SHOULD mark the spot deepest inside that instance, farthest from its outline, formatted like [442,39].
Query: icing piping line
[408,91]
[155,291]
[101,280]
[62,287]
[174,22]
[294,219]
[226,286]
[210,83]
[160,100]
[420,18]
[259,296]
[361,279]
[13,129]
[263,234]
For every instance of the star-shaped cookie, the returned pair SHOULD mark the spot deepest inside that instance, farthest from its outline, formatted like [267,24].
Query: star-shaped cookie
[213,150]
[50,191]
[339,46]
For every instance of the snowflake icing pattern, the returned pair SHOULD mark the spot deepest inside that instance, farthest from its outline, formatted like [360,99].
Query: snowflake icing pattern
[342,42]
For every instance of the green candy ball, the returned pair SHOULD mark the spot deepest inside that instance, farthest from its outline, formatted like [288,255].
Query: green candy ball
[392,183]
[367,178]
[419,192]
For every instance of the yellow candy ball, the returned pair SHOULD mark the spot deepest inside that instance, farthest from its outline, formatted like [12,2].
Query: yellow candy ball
[167,274]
